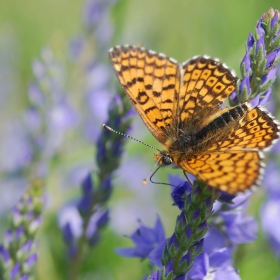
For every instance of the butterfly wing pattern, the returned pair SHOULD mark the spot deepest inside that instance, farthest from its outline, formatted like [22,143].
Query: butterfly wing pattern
[206,83]
[182,107]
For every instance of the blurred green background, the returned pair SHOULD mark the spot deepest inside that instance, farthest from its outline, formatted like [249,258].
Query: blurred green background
[180,29]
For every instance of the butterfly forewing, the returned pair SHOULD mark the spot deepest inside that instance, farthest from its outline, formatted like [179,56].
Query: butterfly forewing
[206,83]
[152,82]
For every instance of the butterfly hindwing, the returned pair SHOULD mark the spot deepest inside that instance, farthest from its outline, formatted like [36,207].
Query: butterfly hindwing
[231,170]
[233,163]
[256,130]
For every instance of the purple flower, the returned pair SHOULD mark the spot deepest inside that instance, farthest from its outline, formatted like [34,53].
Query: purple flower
[105,188]
[15,148]
[272,179]
[274,20]
[258,65]
[85,203]
[239,229]
[246,63]
[4,253]
[97,221]
[217,266]
[245,87]
[270,220]
[155,276]
[68,233]
[94,11]
[19,240]
[146,240]
[229,202]
[70,216]
[250,41]
[265,100]
[69,240]
[76,46]
[260,30]
[15,271]
[271,57]
[269,213]
[269,77]
[180,190]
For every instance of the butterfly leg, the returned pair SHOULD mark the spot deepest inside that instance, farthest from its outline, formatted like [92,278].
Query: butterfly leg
[186,175]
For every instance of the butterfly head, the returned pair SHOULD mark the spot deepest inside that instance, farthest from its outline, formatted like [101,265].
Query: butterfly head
[163,158]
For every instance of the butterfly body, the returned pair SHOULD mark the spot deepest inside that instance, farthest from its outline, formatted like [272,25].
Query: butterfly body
[182,107]
[186,144]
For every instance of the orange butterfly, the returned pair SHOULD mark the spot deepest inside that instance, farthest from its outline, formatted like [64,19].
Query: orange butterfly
[181,106]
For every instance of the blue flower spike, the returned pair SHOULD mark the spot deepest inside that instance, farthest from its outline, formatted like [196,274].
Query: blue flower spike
[258,67]
[17,256]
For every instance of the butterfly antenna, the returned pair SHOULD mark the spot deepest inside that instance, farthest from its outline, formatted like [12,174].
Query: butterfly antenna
[128,136]
[144,182]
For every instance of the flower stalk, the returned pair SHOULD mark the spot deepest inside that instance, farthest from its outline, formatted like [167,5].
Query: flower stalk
[92,205]
[187,241]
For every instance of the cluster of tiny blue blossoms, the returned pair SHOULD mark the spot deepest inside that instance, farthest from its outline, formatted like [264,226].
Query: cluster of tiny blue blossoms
[37,135]
[33,143]
[17,252]
[258,67]
[86,218]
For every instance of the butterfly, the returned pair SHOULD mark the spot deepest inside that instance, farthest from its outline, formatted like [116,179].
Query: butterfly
[181,105]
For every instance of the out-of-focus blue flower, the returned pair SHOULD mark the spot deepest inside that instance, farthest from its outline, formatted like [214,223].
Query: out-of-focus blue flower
[38,135]
[269,212]
[270,220]
[97,221]
[149,243]
[240,229]
[15,148]
[85,203]
[98,88]
[17,258]
[216,266]
[180,189]
[272,179]
[73,226]
[69,219]
[94,10]
[47,124]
